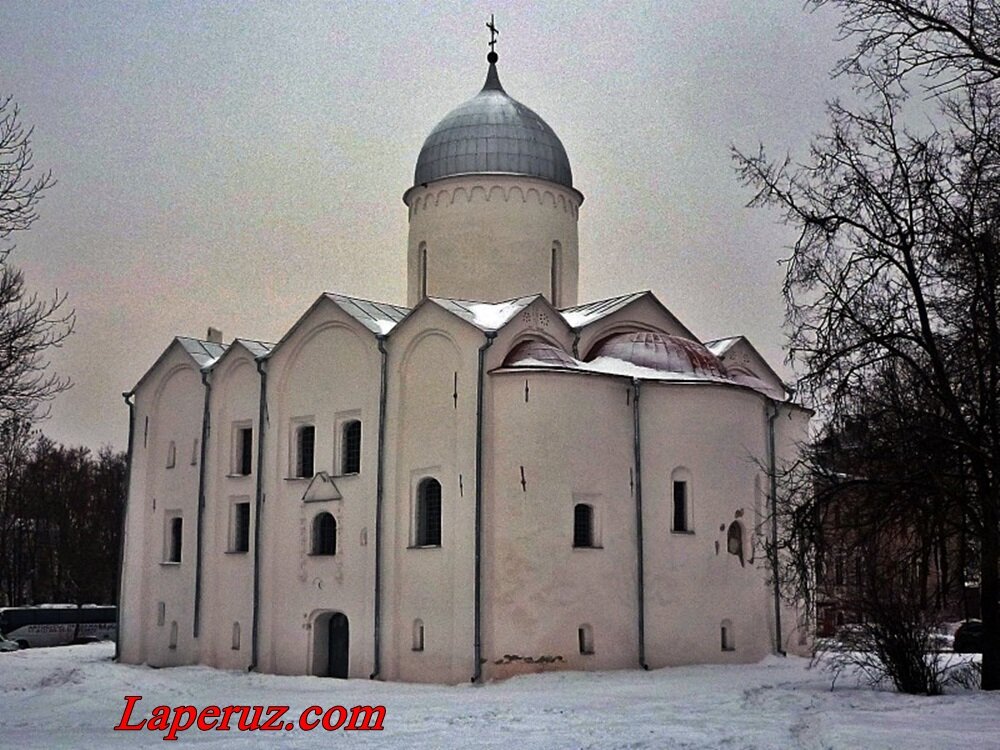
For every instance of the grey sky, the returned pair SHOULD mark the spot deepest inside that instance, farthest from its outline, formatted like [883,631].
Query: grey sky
[223,164]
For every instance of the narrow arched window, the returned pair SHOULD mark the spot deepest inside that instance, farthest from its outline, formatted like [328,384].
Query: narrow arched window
[428,520]
[350,462]
[171,455]
[175,539]
[585,639]
[734,540]
[418,635]
[173,634]
[305,450]
[423,269]
[324,534]
[681,506]
[555,273]
[727,636]
[236,636]
[583,525]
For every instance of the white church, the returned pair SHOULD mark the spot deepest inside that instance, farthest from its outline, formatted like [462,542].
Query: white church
[492,480]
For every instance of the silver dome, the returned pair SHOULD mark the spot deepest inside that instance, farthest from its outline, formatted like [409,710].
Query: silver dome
[493,134]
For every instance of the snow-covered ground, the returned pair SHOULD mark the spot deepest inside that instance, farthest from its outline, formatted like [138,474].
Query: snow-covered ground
[72,697]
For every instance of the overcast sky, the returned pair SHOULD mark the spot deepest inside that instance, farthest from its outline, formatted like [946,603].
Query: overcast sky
[224,164]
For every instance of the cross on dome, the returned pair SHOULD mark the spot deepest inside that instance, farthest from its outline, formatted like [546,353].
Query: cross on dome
[492,57]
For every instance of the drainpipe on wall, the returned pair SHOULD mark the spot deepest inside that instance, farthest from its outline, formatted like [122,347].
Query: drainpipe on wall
[772,469]
[379,474]
[121,540]
[477,674]
[640,555]
[205,429]
[258,507]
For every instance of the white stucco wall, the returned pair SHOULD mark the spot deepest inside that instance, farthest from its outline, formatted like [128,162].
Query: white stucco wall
[227,578]
[571,432]
[171,399]
[572,436]
[325,372]
[431,433]
[490,238]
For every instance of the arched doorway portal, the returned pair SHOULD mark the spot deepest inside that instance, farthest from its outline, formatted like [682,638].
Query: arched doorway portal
[331,645]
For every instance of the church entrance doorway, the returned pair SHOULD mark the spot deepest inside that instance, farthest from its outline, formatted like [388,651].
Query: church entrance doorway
[331,645]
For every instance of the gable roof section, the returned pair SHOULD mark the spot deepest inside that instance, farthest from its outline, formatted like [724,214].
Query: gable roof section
[202,353]
[486,316]
[581,316]
[721,347]
[256,349]
[377,317]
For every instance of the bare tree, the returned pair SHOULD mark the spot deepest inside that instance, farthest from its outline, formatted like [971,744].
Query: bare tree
[29,326]
[949,41]
[893,285]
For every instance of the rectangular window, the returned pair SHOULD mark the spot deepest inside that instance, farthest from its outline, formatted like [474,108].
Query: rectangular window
[239,530]
[243,451]
[350,447]
[174,539]
[305,450]
[585,639]
[680,507]
[583,525]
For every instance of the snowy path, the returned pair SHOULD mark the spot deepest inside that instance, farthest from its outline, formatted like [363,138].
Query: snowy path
[72,697]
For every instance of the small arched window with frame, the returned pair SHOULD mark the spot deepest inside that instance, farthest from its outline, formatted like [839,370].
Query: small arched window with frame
[555,274]
[681,515]
[583,525]
[734,540]
[422,250]
[324,534]
[428,513]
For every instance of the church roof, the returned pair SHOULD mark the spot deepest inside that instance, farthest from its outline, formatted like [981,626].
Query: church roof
[377,317]
[663,353]
[486,316]
[719,347]
[581,315]
[256,349]
[202,352]
[492,133]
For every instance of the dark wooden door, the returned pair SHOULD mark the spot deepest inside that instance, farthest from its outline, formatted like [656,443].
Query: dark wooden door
[339,646]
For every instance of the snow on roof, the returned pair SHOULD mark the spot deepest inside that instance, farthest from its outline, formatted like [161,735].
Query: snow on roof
[614,366]
[486,316]
[377,317]
[581,315]
[718,347]
[202,352]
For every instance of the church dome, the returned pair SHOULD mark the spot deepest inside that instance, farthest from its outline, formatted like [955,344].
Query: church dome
[663,352]
[533,352]
[493,133]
